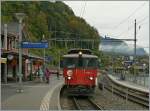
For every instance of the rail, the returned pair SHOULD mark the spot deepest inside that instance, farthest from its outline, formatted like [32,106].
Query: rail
[80,106]
[77,102]
[144,91]
[96,105]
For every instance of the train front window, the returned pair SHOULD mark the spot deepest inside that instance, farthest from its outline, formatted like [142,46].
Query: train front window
[70,62]
[87,62]
[92,62]
[80,62]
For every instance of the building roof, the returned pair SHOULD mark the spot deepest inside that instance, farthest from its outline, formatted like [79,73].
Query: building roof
[76,51]
[23,54]
[77,55]
[12,28]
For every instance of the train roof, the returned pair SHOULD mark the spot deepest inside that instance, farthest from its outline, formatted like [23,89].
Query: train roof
[77,55]
[76,51]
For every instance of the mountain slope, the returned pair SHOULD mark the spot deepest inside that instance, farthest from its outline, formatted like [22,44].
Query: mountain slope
[54,20]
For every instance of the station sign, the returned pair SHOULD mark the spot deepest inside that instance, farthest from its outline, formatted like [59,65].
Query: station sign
[34,45]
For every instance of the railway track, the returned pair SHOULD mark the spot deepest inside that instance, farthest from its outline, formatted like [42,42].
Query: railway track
[86,104]
[77,103]
[127,93]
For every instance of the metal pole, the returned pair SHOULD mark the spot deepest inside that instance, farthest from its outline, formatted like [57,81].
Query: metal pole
[31,76]
[112,89]
[5,37]
[20,57]
[59,60]
[126,95]
[44,54]
[74,44]
[81,44]
[20,51]
[144,75]
[0,52]
[135,41]
[5,73]
[20,17]
[134,47]
[44,60]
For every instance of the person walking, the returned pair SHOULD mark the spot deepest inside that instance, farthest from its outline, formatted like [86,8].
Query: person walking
[37,74]
[41,74]
[47,75]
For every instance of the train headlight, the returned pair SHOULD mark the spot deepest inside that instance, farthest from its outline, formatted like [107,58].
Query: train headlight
[80,54]
[69,73]
[91,78]
[69,77]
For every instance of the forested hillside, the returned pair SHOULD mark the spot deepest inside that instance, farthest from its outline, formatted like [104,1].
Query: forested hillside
[46,18]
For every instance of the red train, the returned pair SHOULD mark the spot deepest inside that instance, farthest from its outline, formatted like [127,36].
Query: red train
[80,72]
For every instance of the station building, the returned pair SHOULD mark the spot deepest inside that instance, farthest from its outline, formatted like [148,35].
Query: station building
[10,54]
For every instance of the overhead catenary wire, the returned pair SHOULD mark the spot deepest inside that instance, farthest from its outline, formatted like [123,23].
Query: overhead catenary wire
[140,23]
[123,21]
[129,28]
[142,20]
[144,23]
[81,13]
[83,10]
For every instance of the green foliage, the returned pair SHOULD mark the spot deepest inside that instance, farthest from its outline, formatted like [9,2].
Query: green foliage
[43,17]
[104,59]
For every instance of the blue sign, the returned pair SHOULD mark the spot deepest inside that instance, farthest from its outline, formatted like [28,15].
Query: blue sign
[34,45]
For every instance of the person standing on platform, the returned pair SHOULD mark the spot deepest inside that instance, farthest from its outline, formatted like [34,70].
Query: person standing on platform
[57,73]
[47,75]
[37,74]
[41,74]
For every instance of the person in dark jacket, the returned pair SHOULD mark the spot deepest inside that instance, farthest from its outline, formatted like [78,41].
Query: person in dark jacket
[47,75]
[57,74]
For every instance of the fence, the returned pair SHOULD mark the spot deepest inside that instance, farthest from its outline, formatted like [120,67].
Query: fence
[140,79]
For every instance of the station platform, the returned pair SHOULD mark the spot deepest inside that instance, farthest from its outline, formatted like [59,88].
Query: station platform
[35,96]
[129,84]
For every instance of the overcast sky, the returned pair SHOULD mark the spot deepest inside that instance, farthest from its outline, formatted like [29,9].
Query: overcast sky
[116,18]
